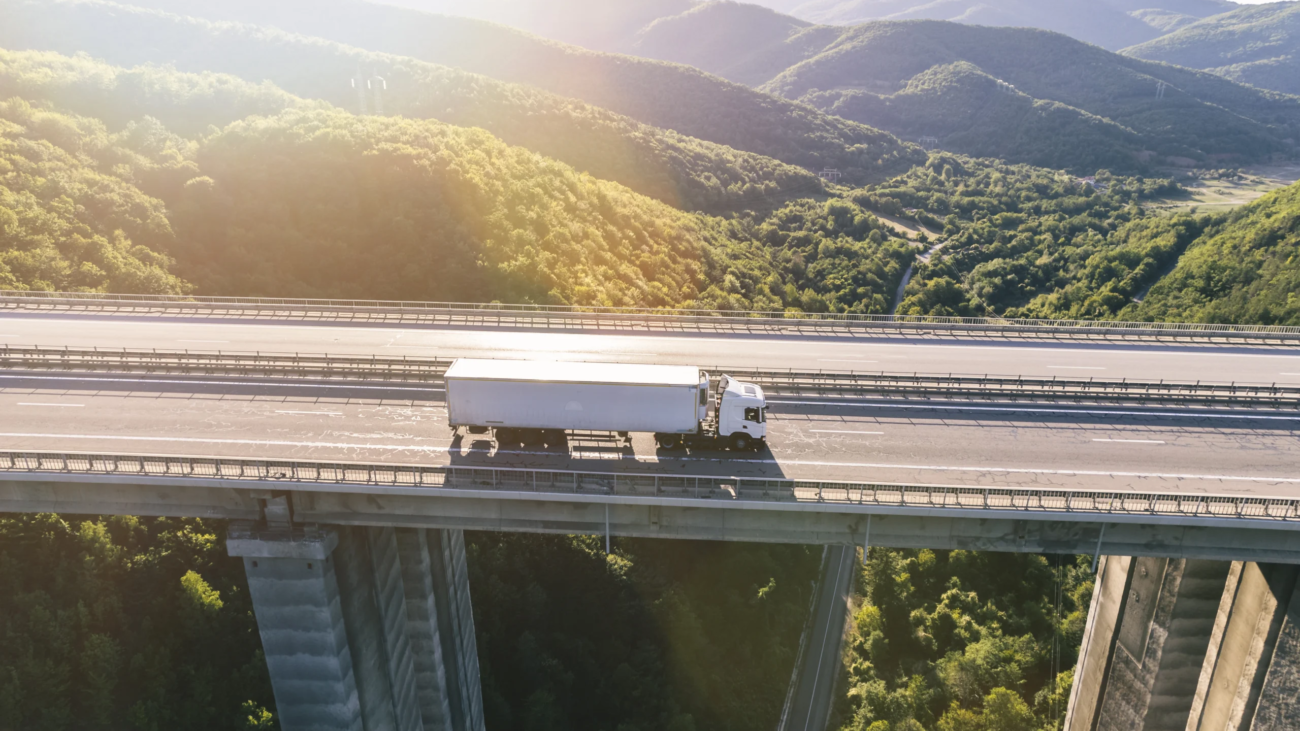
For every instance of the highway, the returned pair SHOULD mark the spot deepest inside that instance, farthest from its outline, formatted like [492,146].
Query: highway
[1097,448]
[862,352]
[1049,446]
[814,685]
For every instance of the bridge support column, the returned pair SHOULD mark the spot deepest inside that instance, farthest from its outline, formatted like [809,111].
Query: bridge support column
[1189,645]
[364,628]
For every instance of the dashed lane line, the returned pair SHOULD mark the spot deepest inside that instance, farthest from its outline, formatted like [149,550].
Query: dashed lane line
[1131,441]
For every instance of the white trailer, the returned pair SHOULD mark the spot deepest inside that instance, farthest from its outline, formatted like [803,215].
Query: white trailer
[534,402]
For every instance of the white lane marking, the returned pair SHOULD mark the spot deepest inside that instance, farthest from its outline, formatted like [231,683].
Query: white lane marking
[1131,441]
[803,463]
[841,360]
[273,384]
[202,341]
[1077,368]
[76,406]
[1033,410]
[318,413]
[838,431]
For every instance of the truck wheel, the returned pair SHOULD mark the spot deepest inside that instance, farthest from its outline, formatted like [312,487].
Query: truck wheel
[668,441]
[741,442]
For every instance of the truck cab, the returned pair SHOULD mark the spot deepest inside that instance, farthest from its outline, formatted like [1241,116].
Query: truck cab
[741,413]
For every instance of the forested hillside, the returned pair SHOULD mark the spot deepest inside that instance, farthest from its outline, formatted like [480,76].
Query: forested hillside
[969,111]
[1245,268]
[1014,235]
[965,641]
[1198,116]
[468,216]
[1255,44]
[684,172]
[66,221]
[661,636]
[662,95]
[126,623]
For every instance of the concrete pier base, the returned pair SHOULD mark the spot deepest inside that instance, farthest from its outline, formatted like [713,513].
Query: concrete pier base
[1189,645]
[364,628]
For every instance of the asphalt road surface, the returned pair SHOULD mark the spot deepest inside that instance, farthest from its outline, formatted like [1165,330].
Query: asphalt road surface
[866,352]
[820,664]
[1099,448]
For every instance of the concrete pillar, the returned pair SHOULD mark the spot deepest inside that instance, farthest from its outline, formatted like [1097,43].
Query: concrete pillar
[364,628]
[1234,693]
[371,586]
[1279,700]
[422,628]
[1098,644]
[295,593]
[1145,643]
[1186,645]
[455,615]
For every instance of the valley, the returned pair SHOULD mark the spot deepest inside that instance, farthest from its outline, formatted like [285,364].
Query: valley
[1083,160]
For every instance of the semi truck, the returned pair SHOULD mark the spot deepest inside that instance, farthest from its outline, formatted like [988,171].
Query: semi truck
[544,402]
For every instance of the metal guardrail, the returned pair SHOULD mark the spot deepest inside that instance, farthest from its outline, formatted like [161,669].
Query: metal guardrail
[685,319]
[242,472]
[775,382]
[219,363]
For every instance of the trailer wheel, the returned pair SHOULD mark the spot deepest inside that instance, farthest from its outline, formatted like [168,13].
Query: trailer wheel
[668,441]
[741,442]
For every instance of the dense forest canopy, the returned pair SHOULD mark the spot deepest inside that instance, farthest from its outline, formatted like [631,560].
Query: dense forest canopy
[1244,268]
[70,219]
[661,636]
[126,623]
[468,216]
[1014,235]
[317,203]
[965,641]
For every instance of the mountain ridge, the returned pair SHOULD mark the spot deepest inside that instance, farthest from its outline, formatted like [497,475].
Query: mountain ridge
[1257,45]
[663,95]
[666,165]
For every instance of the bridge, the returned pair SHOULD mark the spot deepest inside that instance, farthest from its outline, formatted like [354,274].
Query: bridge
[1166,451]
